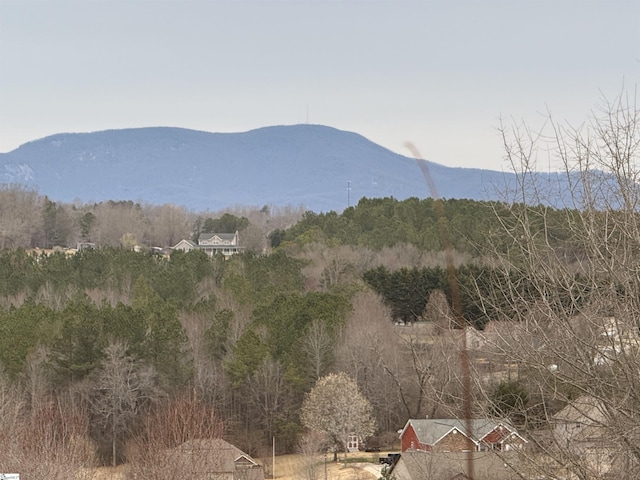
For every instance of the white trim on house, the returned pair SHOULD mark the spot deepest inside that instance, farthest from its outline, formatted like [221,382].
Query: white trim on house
[225,244]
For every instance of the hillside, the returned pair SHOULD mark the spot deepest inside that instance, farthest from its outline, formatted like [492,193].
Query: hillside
[308,165]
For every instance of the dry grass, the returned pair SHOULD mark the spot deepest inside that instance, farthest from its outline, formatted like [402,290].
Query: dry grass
[110,473]
[288,467]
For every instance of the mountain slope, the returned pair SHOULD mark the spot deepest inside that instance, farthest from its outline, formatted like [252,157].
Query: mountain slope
[309,165]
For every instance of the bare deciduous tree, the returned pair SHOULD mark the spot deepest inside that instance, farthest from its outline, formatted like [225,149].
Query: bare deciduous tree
[312,447]
[48,441]
[155,451]
[122,390]
[265,392]
[170,225]
[406,372]
[19,216]
[369,333]
[577,335]
[115,219]
[319,344]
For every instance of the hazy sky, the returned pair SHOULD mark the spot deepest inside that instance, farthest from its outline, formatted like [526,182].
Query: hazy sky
[437,73]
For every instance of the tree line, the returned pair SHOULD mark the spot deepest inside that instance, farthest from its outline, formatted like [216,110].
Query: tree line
[30,220]
[250,335]
[473,227]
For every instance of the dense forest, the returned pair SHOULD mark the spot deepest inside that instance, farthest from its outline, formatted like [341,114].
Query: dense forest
[249,336]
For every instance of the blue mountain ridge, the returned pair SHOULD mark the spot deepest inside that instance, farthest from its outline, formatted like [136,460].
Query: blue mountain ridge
[296,165]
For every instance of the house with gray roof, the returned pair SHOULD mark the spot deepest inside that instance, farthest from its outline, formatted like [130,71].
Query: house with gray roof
[225,244]
[442,448]
[457,435]
[419,465]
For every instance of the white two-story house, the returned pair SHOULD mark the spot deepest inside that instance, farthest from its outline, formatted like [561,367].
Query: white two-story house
[226,244]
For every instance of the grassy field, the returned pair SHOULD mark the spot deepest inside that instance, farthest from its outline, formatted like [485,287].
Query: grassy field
[360,466]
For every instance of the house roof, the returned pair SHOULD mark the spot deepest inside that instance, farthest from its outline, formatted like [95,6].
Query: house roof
[431,430]
[586,410]
[226,455]
[221,236]
[418,465]
[190,243]
[588,414]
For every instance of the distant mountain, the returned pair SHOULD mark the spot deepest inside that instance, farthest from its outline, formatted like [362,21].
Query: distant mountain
[315,166]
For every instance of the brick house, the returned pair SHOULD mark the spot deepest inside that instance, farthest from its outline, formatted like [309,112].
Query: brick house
[452,435]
